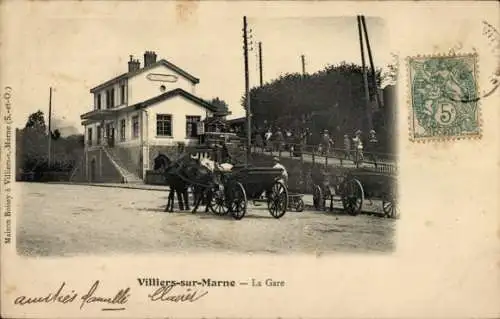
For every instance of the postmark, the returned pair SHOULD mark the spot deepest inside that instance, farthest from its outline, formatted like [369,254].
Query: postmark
[493,36]
[443,97]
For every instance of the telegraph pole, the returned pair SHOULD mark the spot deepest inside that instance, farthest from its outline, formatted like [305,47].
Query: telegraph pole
[365,76]
[50,131]
[247,90]
[303,58]
[374,79]
[260,63]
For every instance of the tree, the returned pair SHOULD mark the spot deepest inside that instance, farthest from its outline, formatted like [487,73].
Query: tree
[36,121]
[220,104]
[32,147]
[56,134]
[391,74]
[332,98]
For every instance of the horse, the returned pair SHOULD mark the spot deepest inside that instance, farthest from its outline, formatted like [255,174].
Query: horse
[177,185]
[204,179]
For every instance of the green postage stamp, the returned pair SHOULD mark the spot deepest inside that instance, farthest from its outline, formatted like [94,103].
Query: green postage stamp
[443,97]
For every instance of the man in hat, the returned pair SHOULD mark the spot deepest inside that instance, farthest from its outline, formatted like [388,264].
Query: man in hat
[279,140]
[326,142]
[284,173]
[358,145]
[372,146]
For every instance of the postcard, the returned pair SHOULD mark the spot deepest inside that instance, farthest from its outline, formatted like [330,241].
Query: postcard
[262,159]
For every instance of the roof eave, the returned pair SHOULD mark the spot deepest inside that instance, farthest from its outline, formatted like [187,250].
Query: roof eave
[168,64]
[177,69]
[172,93]
[92,114]
[109,82]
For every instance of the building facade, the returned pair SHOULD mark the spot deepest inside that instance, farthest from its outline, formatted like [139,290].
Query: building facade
[149,109]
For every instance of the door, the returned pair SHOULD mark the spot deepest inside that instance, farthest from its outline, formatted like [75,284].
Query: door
[110,133]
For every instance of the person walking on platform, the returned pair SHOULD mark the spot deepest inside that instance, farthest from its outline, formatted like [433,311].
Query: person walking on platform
[279,140]
[358,145]
[267,139]
[347,147]
[326,143]
[372,147]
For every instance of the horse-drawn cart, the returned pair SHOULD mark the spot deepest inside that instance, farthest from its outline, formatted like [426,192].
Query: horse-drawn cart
[248,184]
[230,191]
[352,187]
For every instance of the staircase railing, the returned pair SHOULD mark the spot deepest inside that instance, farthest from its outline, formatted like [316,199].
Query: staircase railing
[126,175]
[77,167]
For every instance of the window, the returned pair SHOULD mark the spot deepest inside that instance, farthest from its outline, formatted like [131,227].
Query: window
[89,136]
[108,102]
[122,130]
[135,126]
[191,126]
[122,94]
[99,135]
[163,125]
[112,97]
[98,101]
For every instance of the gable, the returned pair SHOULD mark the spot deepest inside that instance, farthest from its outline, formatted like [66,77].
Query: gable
[164,73]
[179,71]
[175,93]
[166,64]
[178,106]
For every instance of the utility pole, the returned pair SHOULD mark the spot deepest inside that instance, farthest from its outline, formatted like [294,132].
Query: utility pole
[50,131]
[260,63]
[374,79]
[247,91]
[365,77]
[302,57]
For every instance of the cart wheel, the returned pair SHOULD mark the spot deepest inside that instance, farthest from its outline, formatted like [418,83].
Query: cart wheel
[352,197]
[277,202]
[218,204]
[300,205]
[318,198]
[237,201]
[390,208]
[389,201]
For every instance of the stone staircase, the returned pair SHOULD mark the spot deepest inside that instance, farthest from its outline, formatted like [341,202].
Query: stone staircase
[127,176]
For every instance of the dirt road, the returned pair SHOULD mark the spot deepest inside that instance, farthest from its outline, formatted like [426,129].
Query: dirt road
[66,220]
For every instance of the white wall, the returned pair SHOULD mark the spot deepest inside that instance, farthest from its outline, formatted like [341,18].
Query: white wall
[179,107]
[129,140]
[117,96]
[94,134]
[141,89]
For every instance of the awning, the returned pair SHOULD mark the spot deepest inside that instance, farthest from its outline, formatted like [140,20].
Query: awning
[98,115]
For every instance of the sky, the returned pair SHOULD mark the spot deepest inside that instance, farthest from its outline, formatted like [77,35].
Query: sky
[75,46]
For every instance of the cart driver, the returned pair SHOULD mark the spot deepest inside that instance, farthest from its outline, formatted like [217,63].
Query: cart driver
[284,173]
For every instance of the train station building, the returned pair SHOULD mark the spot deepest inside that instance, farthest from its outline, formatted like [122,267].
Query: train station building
[151,108]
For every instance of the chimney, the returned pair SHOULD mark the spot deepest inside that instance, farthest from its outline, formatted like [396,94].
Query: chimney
[133,65]
[149,58]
